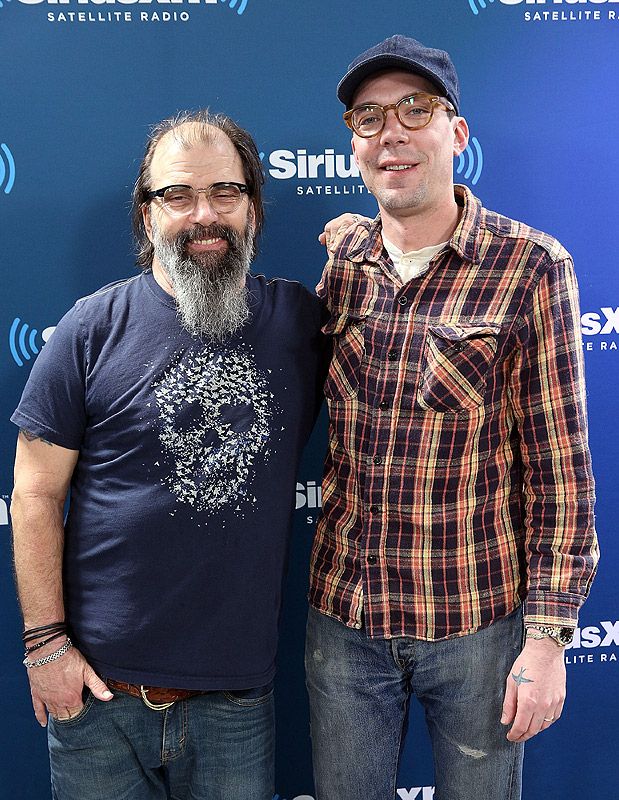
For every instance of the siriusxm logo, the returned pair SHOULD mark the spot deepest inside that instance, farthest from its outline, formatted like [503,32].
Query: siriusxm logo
[242,5]
[4,512]
[7,164]
[286,164]
[235,5]
[605,634]
[416,793]
[475,5]
[23,341]
[471,161]
[123,2]
[308,495]
[607,322]
[554,2]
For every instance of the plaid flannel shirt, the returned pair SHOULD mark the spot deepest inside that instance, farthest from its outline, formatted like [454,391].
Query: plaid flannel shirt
[458,480]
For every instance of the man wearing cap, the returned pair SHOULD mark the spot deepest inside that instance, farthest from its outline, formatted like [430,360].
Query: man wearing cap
[456,542]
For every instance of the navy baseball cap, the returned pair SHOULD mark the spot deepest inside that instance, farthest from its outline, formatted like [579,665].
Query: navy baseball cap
[402,52]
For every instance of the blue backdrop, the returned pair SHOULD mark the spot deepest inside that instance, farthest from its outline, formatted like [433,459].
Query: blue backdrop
[81,82]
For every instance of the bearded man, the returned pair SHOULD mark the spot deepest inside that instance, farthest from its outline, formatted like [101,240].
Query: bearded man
[174,405]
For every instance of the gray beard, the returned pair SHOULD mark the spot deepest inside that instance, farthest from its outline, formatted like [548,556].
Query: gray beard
[210,291]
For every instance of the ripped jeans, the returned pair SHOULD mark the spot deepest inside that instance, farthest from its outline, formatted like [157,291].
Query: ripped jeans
[359,691]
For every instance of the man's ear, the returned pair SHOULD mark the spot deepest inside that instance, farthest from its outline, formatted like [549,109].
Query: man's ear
[148,224]
[252,216]
[461,135]
[354,152]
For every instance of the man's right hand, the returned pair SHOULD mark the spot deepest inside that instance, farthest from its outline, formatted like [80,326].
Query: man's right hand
[57,687]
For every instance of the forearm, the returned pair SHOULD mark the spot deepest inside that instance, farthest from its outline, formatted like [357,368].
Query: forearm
[38,540]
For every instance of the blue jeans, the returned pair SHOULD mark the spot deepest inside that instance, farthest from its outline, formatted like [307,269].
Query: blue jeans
[359,691]
[217,746]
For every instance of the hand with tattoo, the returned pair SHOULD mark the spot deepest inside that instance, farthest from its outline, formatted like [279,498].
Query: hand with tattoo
[535,689]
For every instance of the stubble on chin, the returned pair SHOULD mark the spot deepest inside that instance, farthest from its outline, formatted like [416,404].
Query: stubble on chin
[400,199]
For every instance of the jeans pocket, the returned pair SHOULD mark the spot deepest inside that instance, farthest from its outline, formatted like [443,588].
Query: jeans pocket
[249,698]
[88,702]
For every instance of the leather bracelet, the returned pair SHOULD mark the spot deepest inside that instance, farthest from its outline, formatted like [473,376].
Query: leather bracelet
[40,662]
[29,636]
[42,629]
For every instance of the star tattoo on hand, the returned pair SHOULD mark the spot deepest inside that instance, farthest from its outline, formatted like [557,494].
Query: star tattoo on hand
[520,679]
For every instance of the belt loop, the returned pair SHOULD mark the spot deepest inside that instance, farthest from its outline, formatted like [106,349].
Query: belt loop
[154,706]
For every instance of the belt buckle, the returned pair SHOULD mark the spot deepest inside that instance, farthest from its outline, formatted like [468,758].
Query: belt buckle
[154,706]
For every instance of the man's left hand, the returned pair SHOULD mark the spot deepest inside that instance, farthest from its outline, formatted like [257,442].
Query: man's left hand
[535,690]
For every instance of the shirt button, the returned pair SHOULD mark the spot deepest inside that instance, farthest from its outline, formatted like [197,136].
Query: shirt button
[383,405]
[392,355]
[377,460]
[403,301]
[371,559]
[374,509]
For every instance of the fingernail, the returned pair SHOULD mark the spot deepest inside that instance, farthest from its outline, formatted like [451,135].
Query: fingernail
[107,694]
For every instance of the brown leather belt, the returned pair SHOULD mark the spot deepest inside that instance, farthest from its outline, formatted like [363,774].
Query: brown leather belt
[154,697]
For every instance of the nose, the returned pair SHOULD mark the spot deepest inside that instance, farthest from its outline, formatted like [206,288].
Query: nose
[393,132]
[203,212]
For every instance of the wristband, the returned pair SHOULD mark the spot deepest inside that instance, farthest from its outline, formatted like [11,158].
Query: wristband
[40,662]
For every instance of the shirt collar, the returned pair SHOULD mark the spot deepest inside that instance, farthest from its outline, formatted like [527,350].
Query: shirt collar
[367,243]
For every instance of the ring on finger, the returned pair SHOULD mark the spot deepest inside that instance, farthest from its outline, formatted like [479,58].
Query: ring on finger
[549,719]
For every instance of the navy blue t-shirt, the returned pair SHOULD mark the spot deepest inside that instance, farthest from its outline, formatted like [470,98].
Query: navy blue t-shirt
[182,497]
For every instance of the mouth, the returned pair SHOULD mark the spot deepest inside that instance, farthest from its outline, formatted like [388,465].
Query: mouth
[204,245]
[398,167]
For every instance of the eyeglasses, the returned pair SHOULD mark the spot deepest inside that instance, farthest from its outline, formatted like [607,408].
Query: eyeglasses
[414,111]
[178,200]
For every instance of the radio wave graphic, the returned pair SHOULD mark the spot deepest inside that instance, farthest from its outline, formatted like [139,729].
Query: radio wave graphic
[480,3]
[471,161]
[7,170]
[26,349]
[242,5]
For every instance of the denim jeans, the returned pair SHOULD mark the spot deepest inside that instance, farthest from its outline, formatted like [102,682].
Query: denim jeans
[217,746]
[359,691]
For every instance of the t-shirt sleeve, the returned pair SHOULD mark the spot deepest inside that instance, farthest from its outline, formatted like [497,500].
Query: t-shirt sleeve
[53,404]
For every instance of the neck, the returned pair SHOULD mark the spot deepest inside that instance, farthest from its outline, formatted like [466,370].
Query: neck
[410,231]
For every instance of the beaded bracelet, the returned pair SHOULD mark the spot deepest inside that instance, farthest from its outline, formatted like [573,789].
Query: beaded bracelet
[42,643]
[40,662]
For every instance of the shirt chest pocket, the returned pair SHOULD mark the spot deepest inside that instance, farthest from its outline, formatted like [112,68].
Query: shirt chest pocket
[348,337]
[456,362]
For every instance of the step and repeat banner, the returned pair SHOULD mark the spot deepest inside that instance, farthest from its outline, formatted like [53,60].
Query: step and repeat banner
[82,81]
